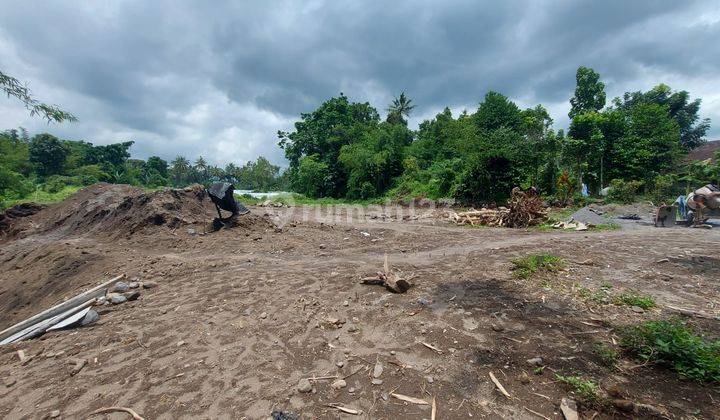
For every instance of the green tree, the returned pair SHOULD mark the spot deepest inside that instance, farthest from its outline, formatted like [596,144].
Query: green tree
[231,171]
[374,160]
[312,177]
[680,108]
[322,133]
[158,165]
[14,153]
[496,112]
[541,143]
[180,171]
[399,109]
[200,170]
[651,145]
[47,154]
[154,172]
[589,92]
[487,178]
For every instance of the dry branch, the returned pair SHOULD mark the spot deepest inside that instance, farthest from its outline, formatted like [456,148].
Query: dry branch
[130,411]
[411,400]
[499,385]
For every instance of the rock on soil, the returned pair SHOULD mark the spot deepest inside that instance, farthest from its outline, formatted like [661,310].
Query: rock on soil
[116,299]
[90,317]
[304,385]
[339,384]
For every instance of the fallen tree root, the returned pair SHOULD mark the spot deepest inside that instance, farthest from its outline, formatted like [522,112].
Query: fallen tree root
[389,279]
[130,411]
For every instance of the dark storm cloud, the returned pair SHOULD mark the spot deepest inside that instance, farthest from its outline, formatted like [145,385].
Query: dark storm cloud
[220,78]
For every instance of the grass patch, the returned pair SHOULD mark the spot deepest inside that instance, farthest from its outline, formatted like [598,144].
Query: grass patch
[601,296]
[607,355]
[604,227]
[633,298]
[671,343]
[586,390]
[42,197]
[526,267]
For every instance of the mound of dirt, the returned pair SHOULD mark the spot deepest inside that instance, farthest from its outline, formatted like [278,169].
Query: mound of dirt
[121,210]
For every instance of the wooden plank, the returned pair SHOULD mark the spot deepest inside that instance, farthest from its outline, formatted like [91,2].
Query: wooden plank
[96,291]
[39,328]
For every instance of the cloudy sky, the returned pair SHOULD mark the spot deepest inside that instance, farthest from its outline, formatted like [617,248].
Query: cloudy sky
[219,79]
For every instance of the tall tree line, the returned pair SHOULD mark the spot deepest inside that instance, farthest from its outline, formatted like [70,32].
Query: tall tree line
[48,163]
[344,149]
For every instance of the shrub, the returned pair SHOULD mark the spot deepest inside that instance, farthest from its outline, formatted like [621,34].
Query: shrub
[665,189]
[13,184]
[608,355]
[90,174]
[624,191]
[57,183]
[525,267]
[672,344]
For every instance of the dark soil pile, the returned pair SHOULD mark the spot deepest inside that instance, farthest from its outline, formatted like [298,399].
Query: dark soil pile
[118,210]
[9,217]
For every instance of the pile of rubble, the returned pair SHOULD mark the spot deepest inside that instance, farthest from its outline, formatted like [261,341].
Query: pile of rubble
[525,208]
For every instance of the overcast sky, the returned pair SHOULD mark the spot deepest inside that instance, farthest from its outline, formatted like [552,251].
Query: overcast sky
[219,79]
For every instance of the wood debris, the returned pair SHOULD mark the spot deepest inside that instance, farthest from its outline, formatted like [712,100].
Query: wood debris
[411,400]
[524,209]
[390,279]
[537,414]
[499,385]
[690,312]
[571,224]
[130,411]
[344,409]
[431,347]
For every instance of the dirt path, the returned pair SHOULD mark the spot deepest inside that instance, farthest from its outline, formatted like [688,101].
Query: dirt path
[241,315]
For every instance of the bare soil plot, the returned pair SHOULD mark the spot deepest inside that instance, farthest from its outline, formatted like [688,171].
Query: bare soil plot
[242,315]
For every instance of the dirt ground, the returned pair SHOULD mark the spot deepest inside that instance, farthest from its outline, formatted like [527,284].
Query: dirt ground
[241,315]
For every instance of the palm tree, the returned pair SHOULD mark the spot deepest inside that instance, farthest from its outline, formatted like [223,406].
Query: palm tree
[179,169]
[400,107]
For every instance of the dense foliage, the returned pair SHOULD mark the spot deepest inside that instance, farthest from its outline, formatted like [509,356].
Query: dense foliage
[344,150]
[48,165]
